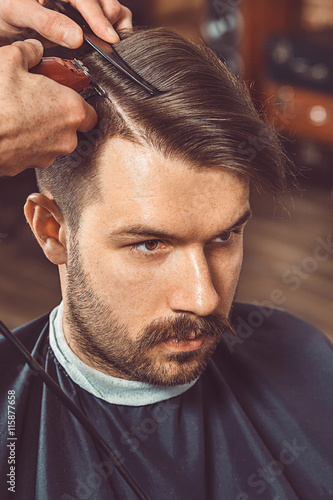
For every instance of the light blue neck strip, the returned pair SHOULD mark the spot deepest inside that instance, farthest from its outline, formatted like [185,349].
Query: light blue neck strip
[113,390]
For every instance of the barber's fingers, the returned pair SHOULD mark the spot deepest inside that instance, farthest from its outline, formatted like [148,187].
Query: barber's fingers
[118,15]
[52,25]
[27,53]
[102,15]
[125,21]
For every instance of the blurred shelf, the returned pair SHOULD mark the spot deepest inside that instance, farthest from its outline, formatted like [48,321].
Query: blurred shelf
[263,18]
[297,110]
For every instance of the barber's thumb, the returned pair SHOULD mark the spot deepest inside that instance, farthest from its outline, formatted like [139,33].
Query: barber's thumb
[32,52]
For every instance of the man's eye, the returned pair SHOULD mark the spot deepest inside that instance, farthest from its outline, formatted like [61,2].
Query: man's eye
[147,246]
[224,237]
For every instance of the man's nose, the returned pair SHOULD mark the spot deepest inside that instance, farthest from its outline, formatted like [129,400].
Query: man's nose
[191,288]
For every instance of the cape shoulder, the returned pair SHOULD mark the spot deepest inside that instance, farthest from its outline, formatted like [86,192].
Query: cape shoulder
[10,357]
[254,323]
[276,344]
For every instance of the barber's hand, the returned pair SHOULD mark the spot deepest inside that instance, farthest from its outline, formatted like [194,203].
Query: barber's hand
[101,15]
[38,117]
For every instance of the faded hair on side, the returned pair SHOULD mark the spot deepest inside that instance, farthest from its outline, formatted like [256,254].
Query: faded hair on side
[203,117]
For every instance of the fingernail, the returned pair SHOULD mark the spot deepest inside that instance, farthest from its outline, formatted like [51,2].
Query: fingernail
[111,32]
[72,38]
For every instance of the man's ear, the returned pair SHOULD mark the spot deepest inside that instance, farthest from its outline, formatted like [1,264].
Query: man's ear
[48,226]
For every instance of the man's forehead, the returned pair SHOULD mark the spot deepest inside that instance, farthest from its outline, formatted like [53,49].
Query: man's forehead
[140,184]
[141,170]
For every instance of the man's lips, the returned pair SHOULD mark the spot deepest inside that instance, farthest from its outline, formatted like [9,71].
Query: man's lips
[190,344]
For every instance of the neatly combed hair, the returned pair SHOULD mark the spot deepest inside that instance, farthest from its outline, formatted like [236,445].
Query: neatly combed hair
[203,117]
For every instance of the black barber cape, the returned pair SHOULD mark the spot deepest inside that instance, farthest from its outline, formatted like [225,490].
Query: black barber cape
[258,423]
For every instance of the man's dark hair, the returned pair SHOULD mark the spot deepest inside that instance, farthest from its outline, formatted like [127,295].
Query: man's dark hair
[204,117]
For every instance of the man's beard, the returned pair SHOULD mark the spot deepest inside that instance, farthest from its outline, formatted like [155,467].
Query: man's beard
[106,343]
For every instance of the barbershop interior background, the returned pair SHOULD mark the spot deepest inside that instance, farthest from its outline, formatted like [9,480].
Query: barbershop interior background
[284,52]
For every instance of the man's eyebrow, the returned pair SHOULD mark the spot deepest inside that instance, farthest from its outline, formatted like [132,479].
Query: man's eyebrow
[242,219]
[147,231]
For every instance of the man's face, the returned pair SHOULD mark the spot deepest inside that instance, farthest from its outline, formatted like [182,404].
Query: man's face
[153,270]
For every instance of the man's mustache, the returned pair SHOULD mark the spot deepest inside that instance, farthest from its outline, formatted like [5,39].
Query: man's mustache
[182,328]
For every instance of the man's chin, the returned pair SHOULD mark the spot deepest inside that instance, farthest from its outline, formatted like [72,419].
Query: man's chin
[172,377]
[177,368]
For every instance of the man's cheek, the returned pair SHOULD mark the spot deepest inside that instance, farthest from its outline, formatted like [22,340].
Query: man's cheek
[226,276]
[227,266]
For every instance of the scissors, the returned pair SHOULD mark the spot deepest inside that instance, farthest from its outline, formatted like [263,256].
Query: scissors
[72,73]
